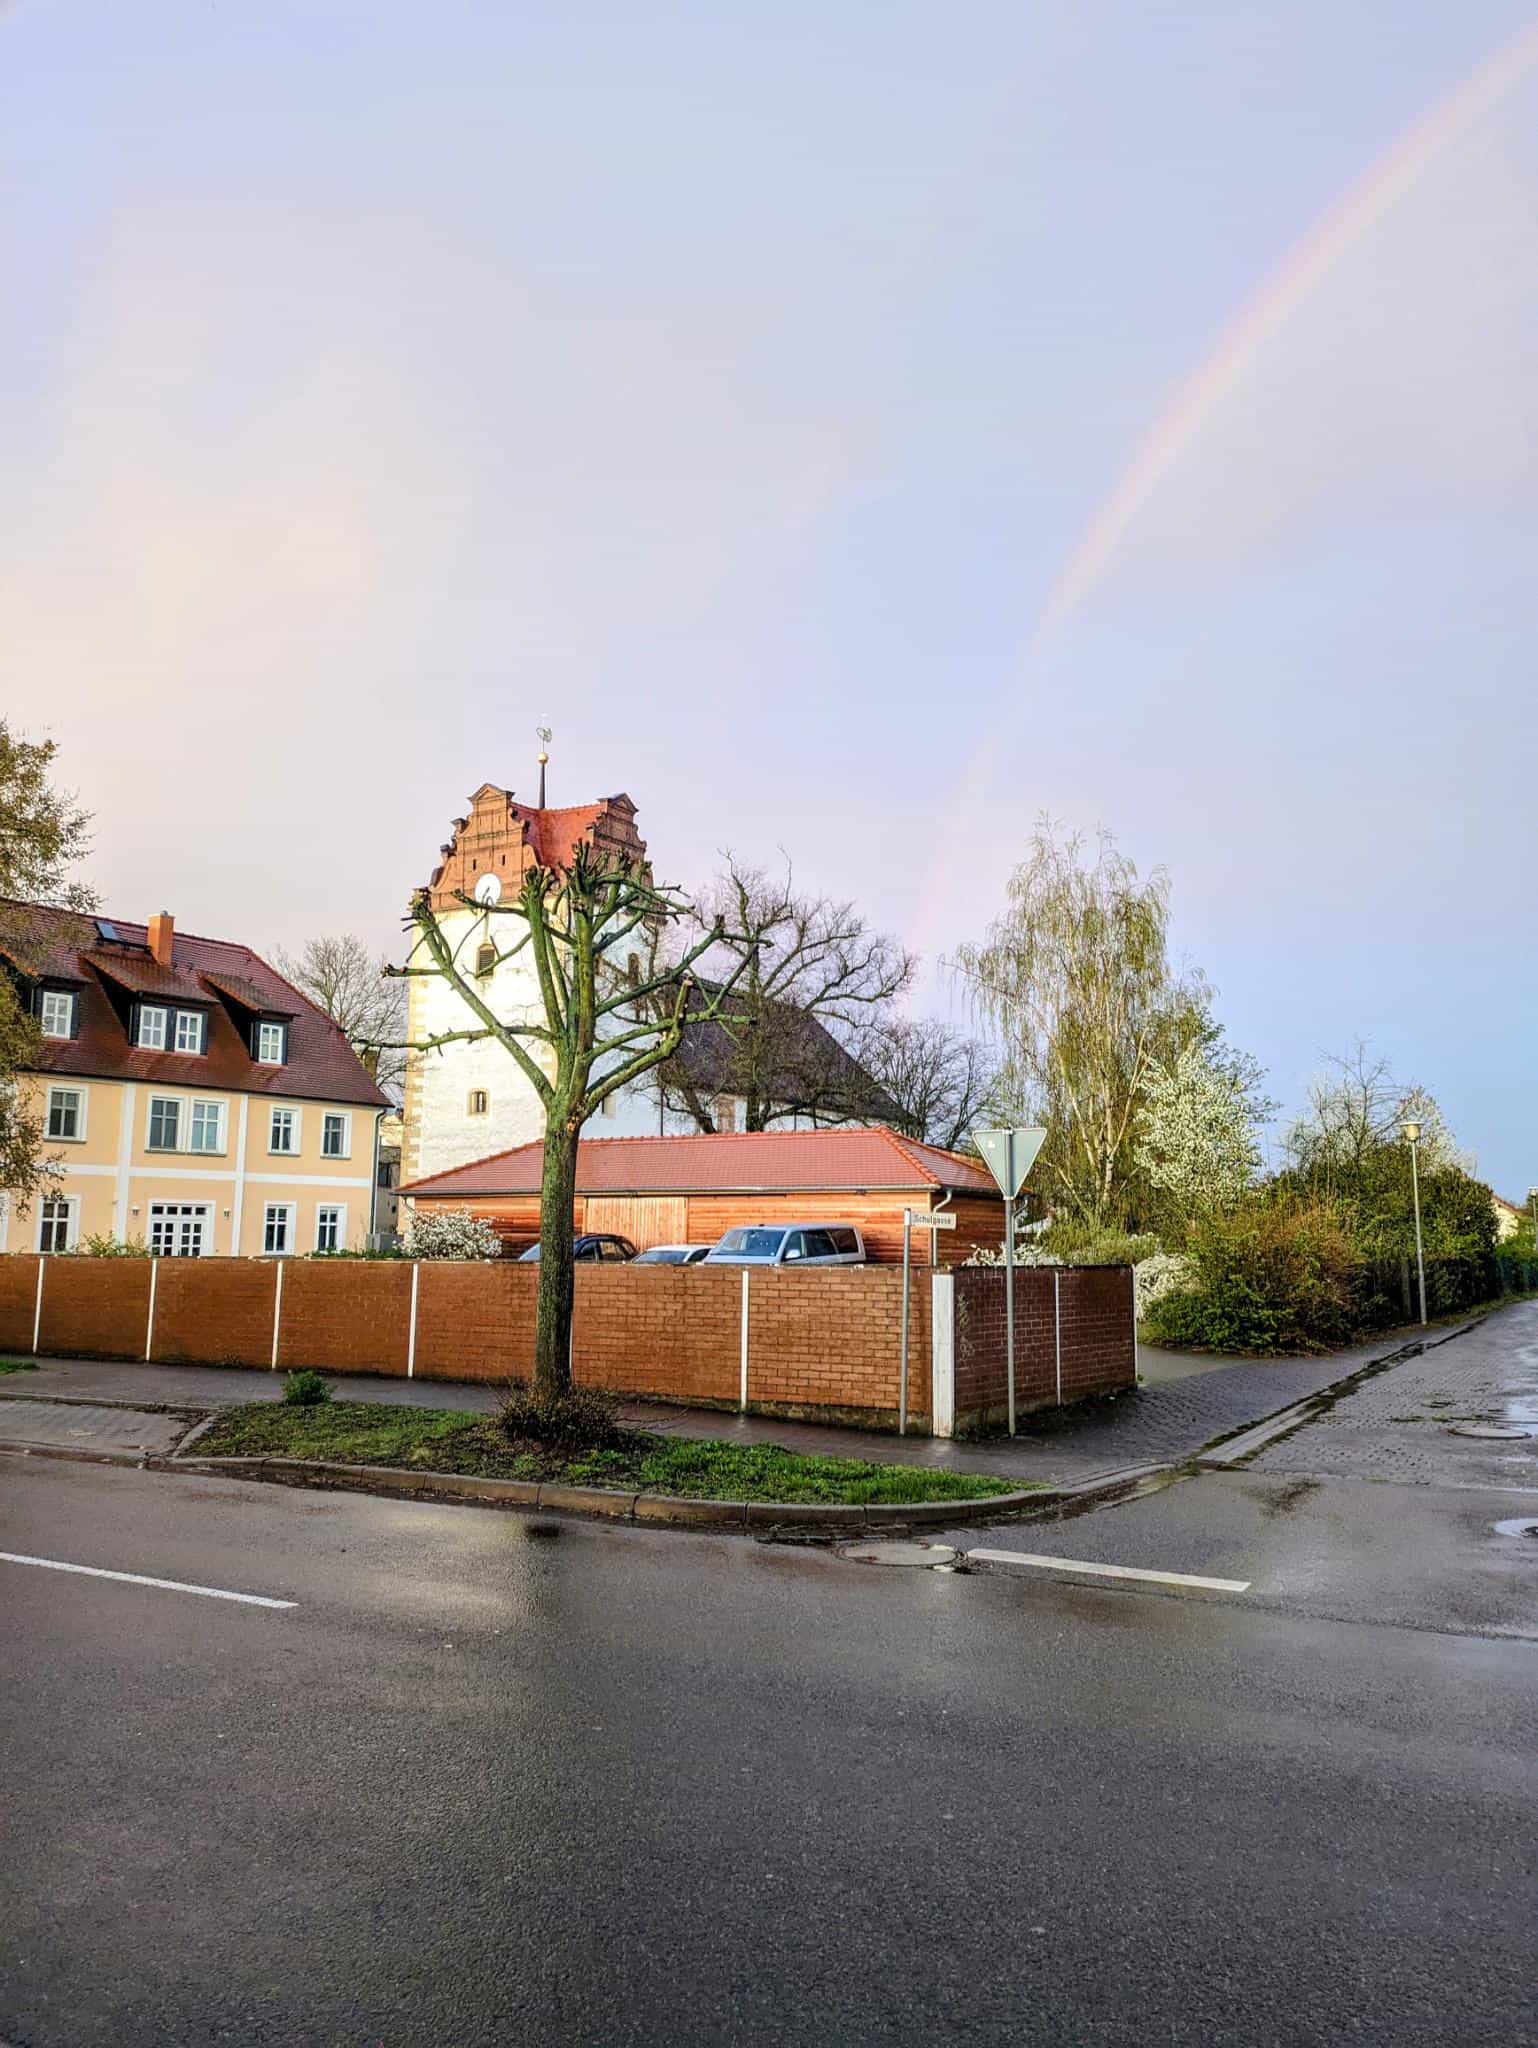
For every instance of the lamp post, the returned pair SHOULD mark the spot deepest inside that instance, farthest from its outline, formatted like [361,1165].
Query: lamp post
[1412,1131]
[1532,1203]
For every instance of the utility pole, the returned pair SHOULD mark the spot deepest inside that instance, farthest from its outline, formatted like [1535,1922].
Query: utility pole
[1412,1131]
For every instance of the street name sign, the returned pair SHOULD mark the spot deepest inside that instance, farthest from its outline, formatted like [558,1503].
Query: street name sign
[1010,1155]
[928,1219]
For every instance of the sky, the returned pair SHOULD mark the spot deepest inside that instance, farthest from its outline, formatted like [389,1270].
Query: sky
[855,430]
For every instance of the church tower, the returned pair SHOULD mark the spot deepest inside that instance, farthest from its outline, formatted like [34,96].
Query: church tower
[470,1099]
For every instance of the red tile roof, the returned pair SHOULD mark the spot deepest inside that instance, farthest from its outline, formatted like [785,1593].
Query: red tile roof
[66,947]
[728,1162]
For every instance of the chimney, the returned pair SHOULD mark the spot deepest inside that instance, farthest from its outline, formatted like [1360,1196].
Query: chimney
[162,928]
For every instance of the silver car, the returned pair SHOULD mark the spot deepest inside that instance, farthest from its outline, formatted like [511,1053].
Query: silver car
[789,1244]
[672,1255]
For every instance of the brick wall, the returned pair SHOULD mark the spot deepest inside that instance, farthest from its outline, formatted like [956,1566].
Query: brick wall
[95,1308]
[1099,1350]
[821,1343]
[214,1308]
[18,1297]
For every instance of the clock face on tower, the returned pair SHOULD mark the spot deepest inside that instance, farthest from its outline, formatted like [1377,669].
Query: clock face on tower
[487,889]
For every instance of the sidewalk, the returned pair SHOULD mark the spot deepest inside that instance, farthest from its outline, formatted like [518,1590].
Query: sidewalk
[1167,1419]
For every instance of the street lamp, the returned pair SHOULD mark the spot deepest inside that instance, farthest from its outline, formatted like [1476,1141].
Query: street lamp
[1412,1131]
[1532,1203]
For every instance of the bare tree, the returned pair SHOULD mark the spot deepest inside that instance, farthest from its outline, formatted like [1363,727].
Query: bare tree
[810,980]
[1077,980]
[593,1029]
[1355,1106]
[355,989]
[939,1083]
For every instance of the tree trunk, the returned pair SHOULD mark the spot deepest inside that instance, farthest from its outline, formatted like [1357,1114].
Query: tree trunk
[552,1317]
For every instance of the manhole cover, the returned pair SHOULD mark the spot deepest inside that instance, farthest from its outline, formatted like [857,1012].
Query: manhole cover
[930,1554]
[1499,1432]
[1523,1527]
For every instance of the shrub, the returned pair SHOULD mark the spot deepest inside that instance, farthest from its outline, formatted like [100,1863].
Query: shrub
[452,1236]
[580,1418]
[101,1244]
[1269,1279]
[305,1388]
[1154,1277]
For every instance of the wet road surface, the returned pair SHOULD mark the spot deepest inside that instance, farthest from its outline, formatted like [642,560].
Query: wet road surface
[496,1779]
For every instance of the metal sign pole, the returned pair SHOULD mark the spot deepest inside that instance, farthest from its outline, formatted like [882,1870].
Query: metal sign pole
[1009,1283]
[902,1385]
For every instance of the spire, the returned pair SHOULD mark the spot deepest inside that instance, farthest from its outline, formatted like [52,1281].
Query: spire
[543,732]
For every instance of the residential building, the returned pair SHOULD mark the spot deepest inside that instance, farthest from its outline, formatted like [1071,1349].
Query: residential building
[467,1099]
[690,1189]
[190,1097]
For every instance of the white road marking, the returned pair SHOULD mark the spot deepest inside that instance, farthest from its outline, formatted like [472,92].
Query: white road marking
[1108,1571]
[94,1571]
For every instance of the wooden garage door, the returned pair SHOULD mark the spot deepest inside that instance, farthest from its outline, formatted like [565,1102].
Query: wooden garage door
[644,1219]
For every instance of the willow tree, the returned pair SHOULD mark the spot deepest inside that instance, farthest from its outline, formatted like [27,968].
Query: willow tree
[1076,979]
[592,1026]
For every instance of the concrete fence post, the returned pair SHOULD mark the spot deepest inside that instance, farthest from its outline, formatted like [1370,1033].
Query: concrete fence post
[411,1333]
[942,1355]
[277,1310]
[742,1386]
[149,1321]
[37,1305]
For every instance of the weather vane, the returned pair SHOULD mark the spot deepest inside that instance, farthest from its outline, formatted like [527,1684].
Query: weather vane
[543,734]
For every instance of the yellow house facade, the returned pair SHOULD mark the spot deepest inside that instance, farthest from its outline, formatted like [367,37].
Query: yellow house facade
[190,1098]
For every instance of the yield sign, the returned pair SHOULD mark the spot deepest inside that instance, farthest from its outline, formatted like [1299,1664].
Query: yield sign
[1010,1155]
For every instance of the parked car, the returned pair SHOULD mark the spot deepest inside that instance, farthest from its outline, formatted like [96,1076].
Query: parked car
[789,1244]
[672,1255]
[595,1244]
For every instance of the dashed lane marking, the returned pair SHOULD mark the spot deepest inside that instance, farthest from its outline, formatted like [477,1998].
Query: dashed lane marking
[96,1571]
[1106,1571]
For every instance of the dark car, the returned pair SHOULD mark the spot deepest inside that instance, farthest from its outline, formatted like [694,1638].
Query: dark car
[595,1244]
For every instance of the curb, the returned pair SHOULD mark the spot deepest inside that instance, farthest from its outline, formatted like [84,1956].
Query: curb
[1226,1454]
[603,1503]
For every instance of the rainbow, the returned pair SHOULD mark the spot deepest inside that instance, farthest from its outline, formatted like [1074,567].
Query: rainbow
[1308,262]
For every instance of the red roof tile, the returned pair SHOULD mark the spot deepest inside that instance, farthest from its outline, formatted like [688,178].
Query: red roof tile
[65,946]
[728,1162]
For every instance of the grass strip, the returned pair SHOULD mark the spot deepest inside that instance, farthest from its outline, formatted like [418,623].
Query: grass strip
[449,1440]
[18,1365]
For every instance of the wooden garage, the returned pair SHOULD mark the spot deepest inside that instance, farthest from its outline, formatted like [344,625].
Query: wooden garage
[689,1190]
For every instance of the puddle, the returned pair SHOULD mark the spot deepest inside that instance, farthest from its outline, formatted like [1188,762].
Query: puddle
[1522,1526]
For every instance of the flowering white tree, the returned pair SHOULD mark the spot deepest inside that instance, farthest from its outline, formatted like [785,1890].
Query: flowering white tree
[1197,1136]
[452,1235]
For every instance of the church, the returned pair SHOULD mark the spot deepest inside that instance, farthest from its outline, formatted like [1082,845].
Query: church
[468,1099]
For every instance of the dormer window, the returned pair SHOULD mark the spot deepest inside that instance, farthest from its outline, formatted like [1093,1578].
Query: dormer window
[271,1046]
[56,1012]
[160,1029]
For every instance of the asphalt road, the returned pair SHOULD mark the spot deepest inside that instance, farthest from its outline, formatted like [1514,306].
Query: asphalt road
[493,1780]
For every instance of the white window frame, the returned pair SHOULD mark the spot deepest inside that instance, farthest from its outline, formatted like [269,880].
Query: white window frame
[53,996]
[289,1212]
[199,1021]
[339,1211]
[71,1220]
[146,1011]
[222,1120]
[77,1136]
[344,1118]
[178,1212]
[295,1125]
[271,1059]
[179,1102]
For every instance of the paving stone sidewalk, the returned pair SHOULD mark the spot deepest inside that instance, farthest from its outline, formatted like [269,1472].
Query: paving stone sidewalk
[1164,1420]
[1404,1425]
